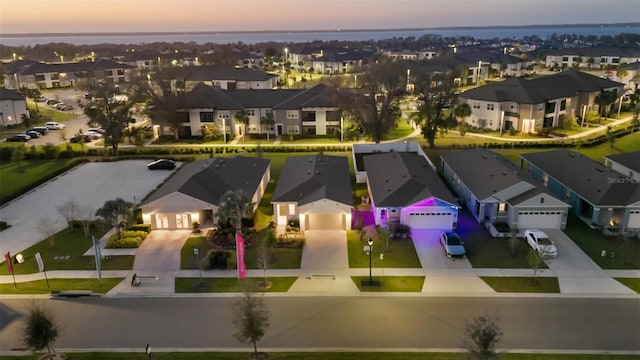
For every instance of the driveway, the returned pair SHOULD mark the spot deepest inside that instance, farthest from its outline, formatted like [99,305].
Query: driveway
[431,254]
[576,272]
[325,249]
[89,185]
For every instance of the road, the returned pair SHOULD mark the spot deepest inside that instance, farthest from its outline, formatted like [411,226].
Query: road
[327,322]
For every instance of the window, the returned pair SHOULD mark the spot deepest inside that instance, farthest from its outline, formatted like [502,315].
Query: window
[502,207]
[250,112]
[292,209]
[563,105]
[292,114]
[550,108]
[293,129]
[490,107]
[206,116]
[224,115]
[476,105]
[540,107]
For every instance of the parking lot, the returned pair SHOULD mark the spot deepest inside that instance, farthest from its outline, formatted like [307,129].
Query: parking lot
[89,185]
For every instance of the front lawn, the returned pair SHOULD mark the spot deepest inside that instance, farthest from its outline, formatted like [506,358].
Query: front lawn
[65,252]
[401,253]
[631,283]
[221,285]
[495,253]
[592,242]
[390,283]
[58,285]
[522,284]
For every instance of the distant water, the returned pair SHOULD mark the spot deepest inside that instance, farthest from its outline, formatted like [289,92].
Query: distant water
[305,36]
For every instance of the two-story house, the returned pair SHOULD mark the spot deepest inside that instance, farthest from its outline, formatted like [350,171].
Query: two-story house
[329,60]
[224,77]
[530,105]
[591,57]
[13,107]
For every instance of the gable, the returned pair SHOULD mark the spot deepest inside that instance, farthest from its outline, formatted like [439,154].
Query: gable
[541,200]
[176,202]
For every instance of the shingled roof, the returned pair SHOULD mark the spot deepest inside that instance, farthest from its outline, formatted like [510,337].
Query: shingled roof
[209,179]
[87,66]
[399,179]
[305,179]
[568,83]
[208,73]
[591,180]
[629,159]
[6,94]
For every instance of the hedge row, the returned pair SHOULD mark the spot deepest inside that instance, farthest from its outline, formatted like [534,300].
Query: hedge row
[130,239]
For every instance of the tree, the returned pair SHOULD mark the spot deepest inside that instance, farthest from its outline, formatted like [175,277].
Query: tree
[375,106]
[436,93]
[463,111]
[17,153]
[112,111]
[232,208]
[47,227]
[33,94]
[482,335]
[161,92]
[251,318]
[268,121]
[40,328]
[383,235]
[535,261]
[116,213]
[242,117]
[210,132]
[69,210]
[611,138]
[604,100]
[85,215]
[265,255]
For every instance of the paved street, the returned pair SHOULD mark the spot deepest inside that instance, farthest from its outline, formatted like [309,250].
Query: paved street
[349,322]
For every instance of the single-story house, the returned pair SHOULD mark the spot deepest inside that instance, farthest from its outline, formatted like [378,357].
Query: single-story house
[496,191]
[626,164]
[316,191]
[359,151]
[404,188]
[599,195]
[193,193]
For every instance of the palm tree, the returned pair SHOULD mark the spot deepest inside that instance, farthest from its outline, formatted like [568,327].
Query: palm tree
[604,100]
[462,111]
[242,117]
[268,120]
[233,207]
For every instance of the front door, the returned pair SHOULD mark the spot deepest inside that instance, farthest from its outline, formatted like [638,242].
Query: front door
[279,130]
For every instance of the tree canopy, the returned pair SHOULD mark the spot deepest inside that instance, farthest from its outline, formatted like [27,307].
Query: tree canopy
[436,96]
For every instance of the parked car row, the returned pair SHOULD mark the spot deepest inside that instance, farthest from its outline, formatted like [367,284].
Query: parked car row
[57,104]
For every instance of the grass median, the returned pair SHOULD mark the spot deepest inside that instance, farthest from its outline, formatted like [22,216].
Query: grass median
[222,285]
[58,285]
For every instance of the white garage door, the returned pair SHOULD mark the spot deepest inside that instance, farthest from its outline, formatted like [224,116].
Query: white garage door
[540,219]
[634,219]
[325,222]
[431,220]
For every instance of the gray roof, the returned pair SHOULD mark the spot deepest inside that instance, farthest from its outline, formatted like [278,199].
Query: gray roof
[629,159]
[305,179]
[482,171]
[87,66]
[318,96]
[591,180]
[568,83]
[598,51]
[209,73]
[6,94]
[209,179]
[399,179]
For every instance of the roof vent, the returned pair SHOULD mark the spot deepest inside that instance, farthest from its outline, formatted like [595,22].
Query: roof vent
[541,200]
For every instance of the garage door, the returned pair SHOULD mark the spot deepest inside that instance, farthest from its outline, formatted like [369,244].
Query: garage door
[431,220]
[540,219]
[325,222]
[634,219]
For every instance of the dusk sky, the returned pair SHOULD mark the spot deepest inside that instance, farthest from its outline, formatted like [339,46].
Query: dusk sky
[75,16]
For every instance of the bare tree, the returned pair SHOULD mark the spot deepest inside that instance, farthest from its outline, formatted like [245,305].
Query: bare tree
[70,212]
[47,227]
[482,335]
[251,318]
[535,261]
[85,215]
[265,256]
[40,329]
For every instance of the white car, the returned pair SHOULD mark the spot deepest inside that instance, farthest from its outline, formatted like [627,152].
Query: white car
[94,134]
[52,125]
[540,242]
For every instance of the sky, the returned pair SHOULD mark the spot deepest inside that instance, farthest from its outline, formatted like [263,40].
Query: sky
[78,16]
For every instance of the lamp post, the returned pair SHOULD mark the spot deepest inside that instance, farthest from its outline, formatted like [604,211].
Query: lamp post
[224,129]
[501,121]
[370,242]
[341,129]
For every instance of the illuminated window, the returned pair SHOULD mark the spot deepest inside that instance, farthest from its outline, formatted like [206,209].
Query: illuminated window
[292,209]
[502,207]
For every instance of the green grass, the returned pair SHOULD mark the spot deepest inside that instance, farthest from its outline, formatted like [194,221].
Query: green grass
[57,285]
[484,251]
[631,283]
[390,283]
[72,243]
[345,355]
[522,284]
[402,129]
[401,254]
[222,285]
[592,242]
[16,179]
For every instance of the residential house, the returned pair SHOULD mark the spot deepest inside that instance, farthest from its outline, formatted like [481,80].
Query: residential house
[329,60]
[141,60]
[626,163]
[50,76]
[314,191]
[404,188]
[496,191]
[599,195]
[13,107]
[312,111]
[423,54]
[530,105]
[591,57]
[193,193]
[224,77]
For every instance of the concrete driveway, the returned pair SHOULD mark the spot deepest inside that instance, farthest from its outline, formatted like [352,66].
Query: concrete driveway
[89,185]
[325,249]
[576,272]
[431,254]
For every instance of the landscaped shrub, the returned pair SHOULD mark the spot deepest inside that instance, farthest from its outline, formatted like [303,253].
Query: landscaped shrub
[141,227]
[50,151]
[130,239]
[219,259]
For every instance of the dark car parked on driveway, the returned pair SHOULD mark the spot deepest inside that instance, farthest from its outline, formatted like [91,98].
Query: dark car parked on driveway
[161,164]
[19,138]
[43,130]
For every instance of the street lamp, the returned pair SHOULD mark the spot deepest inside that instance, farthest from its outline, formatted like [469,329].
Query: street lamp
[370,242]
